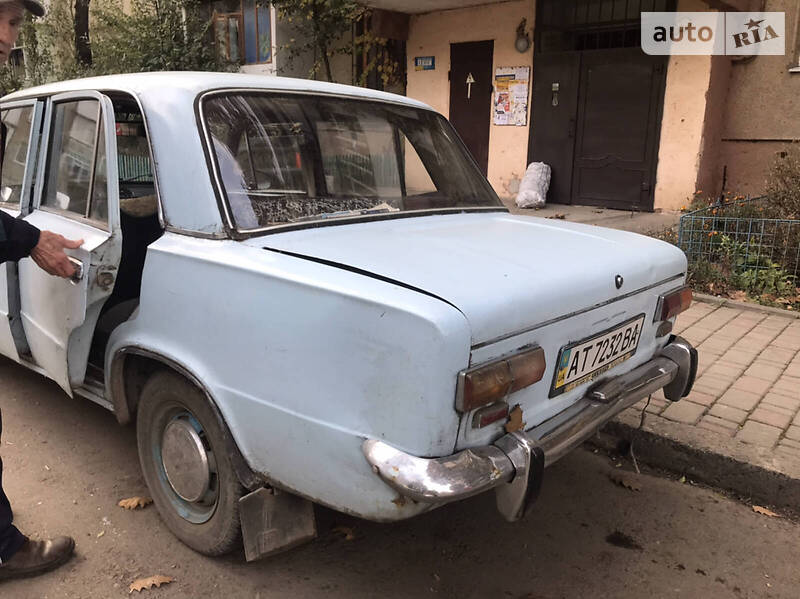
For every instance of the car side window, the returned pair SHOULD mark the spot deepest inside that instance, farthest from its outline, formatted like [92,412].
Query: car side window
[17,124]
[76,159]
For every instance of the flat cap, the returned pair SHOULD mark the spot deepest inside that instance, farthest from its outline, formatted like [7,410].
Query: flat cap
[34,6]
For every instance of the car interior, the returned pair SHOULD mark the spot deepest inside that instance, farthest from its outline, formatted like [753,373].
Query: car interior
[139,221]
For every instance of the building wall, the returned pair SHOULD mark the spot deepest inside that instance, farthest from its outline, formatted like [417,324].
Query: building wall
[300,66]
[682,142]
[718,113]
[762,110]
[710,170]
[431,35]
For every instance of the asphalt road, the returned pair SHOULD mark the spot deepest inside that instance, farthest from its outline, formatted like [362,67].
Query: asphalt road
[67,463]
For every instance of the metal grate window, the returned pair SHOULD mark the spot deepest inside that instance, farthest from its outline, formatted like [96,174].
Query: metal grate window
[592,24]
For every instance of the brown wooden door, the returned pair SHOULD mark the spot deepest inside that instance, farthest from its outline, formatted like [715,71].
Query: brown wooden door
[618,126]
[470,103]
[555,108]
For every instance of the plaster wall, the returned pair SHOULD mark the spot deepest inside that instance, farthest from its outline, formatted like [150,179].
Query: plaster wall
[259,69]
[762,108]
[289,64]
[749,163]
[764,102]
[710,171]
[682,125]
[431,35]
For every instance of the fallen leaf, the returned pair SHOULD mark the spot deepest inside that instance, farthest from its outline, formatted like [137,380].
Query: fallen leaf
[625,479]
[101,533]
[346,531]
[515,420]
[762,510]
[149,582]
[682,479]
[131,503]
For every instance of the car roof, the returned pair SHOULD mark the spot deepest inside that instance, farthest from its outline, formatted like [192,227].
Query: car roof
[163,84]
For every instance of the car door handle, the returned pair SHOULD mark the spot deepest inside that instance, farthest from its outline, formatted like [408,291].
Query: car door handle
[78,275]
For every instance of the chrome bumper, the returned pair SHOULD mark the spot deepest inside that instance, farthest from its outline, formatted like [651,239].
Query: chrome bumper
[514,464]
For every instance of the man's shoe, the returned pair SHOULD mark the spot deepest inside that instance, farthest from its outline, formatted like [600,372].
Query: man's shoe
[36,557]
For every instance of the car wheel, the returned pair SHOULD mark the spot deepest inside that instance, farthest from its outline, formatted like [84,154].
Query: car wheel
[185,465]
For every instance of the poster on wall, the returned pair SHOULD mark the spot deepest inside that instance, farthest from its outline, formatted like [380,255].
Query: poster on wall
[511,96]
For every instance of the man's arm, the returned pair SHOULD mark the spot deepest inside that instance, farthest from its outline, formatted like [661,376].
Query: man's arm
[19,239]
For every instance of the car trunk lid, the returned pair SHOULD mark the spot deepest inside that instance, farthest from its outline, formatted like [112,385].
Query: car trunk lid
[505,273]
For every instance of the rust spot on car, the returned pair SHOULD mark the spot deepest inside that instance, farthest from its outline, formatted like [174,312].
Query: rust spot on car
[400,501]
[515,422]
[104,280]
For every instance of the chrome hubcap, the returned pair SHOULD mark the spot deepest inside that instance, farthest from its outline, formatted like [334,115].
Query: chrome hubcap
[185,460]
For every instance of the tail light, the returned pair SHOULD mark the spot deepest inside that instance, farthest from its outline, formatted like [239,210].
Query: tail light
[487,384]
[673,303]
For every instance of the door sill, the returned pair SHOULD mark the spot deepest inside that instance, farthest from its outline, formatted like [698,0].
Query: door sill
[94,392]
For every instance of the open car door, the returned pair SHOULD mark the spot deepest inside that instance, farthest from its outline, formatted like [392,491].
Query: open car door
[21,123]
[76,195]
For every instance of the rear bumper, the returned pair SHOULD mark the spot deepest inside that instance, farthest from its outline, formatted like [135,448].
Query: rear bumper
[514,464]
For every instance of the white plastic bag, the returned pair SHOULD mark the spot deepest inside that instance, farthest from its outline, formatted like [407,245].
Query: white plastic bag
[534,186]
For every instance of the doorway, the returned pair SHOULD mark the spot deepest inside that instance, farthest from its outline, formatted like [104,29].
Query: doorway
[597,104]
[471,96]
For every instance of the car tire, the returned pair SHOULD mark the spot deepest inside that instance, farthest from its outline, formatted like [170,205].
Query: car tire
[172,408]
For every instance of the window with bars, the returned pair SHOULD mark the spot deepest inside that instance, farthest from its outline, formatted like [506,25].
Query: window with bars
[593,24]
[243,30]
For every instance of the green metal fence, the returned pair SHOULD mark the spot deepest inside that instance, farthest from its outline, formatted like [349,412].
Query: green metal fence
[745,238]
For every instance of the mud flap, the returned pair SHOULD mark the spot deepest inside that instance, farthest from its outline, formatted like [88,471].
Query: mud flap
[274,521]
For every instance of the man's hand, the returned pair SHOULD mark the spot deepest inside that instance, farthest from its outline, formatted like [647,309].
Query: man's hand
[49,254]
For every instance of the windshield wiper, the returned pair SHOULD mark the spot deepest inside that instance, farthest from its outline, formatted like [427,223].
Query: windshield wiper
[343,213]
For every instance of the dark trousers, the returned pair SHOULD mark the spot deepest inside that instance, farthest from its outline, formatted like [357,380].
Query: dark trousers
[11,539]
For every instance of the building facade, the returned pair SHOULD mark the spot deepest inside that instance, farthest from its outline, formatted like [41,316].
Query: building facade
[566,82]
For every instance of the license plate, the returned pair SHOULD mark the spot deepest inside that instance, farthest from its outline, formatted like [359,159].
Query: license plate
[585,360]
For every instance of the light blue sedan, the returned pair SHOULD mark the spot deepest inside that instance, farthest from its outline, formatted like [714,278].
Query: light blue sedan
[305,292]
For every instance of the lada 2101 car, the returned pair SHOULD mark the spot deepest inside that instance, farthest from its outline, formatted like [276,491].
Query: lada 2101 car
[305,292]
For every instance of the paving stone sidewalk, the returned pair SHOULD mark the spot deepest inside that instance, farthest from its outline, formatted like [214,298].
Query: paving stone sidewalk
[748,379]
[739,428]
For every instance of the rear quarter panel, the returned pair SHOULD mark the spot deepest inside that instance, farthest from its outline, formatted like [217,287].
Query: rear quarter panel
[305,361]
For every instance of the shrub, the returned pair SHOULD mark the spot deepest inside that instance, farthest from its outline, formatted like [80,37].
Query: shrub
[783,186]
[153,35]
